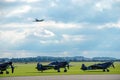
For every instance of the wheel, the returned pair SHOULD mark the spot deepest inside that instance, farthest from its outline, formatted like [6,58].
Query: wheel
[7,72]
[1,72]
[42,71]
[65,70]
[108,70]
[103,70]
[58,70]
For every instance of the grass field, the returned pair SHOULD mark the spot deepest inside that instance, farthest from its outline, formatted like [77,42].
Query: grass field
[29,70]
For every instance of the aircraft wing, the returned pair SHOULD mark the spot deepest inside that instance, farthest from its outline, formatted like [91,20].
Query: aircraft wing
[96,66]
[48,66]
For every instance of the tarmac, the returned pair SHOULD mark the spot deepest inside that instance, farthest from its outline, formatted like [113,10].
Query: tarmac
[66,77]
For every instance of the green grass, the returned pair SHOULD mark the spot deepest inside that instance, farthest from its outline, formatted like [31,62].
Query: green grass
[29,70]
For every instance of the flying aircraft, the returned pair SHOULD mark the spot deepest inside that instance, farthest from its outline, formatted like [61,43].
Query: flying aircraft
[53,65]
[103,66]
[37,20]
[5,66]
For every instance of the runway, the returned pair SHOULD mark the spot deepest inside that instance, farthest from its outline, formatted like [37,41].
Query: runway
[66,77]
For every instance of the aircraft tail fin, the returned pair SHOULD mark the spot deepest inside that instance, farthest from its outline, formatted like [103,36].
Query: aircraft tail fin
[83,67]
[39,66]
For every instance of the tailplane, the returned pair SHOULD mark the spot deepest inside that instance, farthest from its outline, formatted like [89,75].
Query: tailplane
[83,67]
[39,67]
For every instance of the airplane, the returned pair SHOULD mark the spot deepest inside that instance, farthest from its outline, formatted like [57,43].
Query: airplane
[5,66]
[53,65]
[37,20]
[103,66]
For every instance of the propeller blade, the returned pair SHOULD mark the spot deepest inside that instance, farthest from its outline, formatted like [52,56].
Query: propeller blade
[68,66]
[113,65]
[12,67]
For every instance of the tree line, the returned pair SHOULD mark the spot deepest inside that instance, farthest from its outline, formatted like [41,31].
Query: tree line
[50,58]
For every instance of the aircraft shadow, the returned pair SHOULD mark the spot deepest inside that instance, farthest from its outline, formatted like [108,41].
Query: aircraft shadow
[41,72]
[94,71]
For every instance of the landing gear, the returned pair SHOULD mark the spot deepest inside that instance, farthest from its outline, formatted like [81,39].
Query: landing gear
[65,70]
[1,72]
[58,70]
[103,70]
[41,70]
[107,70]
[7,72]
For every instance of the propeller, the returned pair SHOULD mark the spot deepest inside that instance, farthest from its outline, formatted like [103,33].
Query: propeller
[68,66]
[113,65]
[12,67]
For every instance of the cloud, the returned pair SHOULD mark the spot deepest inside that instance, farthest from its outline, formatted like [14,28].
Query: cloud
[18,11]
[49,41]
[45,24]
[53,4]
[10,0]
[73,38]
[44,33]
[95,53]
[70,26]
[15,32]
[103,5]
[110,25]
[11,36]
[30,1]
[60,25]
[63,54]
[23,54]
[65,39]
[15,54]
[27,1]
[80,2]
[21,30]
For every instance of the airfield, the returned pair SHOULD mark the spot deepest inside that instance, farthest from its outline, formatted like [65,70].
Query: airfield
[28,72]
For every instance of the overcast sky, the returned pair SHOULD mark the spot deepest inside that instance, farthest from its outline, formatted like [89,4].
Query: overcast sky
[71,28]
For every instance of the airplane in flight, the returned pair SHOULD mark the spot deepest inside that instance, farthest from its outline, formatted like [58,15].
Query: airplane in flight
[103,66]
[38,20]
[5,66]
[53,65]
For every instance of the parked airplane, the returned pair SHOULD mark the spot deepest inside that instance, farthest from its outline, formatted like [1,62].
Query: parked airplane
[103,66]
[5,66]
[53,65]
[37,20]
